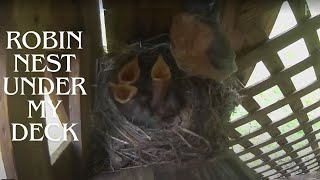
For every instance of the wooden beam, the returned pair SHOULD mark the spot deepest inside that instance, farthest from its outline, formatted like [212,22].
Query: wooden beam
[61,111]
[31,159]
[76,118]
[224,166]
[259,14]
[248,23]
[130,21]
[5,133]
[300,10]
[63,162]
[92,50]
[245,75]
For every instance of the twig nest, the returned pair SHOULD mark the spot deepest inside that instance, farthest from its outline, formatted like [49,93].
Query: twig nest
[163,116]
[200,48]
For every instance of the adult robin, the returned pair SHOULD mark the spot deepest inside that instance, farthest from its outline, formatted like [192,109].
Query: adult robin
[200,48]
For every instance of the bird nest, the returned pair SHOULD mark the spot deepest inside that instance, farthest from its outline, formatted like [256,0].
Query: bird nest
[189,125]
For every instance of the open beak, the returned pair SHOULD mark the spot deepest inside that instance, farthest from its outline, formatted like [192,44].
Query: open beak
[130,72]
[161,76]
[123,93]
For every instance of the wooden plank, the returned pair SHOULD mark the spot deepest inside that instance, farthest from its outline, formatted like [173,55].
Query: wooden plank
[28,165]
[278,43]
[301,13]
[131,21]
[274,139]
[224,166]
[277,105]
[140,173]
[31,158]
[76,118]
[313,44]
[5,134]
[69,114]
[92,50]
[45,17]
[248,23]
[62,162]
[273,64]
[61,111]
[312,41]
[259,14]
[245,75]
[68,159]
[250,104]
[233,134]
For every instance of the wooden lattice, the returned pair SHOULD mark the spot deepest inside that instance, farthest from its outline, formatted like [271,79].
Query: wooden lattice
[280,76]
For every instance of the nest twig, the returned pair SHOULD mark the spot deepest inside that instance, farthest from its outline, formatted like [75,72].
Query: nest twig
[197,132]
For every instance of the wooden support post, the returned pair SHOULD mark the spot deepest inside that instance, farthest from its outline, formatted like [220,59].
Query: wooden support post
[92,50]
[5,134]
[31,158]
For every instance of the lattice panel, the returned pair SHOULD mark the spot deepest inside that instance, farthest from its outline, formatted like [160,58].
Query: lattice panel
[271,150]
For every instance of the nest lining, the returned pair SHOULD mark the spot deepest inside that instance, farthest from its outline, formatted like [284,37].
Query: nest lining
[195,132]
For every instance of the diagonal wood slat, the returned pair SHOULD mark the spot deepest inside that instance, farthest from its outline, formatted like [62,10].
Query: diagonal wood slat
[279,104]
[275,139]
[278,43]
[281,77]
[289,72]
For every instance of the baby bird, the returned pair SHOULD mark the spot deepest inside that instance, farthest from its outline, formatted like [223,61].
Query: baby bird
[161,77]
[164,103]
[132,104]
[152,104]
[130,73]
[123,93]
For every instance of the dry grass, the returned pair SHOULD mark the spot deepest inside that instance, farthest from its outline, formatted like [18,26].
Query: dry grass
[195,133]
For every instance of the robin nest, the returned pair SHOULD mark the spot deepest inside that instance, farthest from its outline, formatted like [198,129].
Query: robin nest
[148,111]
